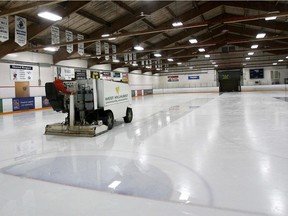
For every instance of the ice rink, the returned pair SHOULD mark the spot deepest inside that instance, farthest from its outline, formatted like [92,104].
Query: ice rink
[200,154]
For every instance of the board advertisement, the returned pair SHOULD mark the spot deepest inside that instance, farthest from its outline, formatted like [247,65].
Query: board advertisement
[1,106]
[173,78]
[23,103]
[45,102]
[193,77]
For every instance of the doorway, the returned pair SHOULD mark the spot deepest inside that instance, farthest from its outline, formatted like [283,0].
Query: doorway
[22,89]
[230,80]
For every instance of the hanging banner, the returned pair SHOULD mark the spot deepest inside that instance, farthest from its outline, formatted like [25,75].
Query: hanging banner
[4,28]
[80,45]
[126,58]
[98,48]
[69,38]
[114,50]
[130,58]
[21,73]
[106,50]
[20,31]
[55,35]
[134,58]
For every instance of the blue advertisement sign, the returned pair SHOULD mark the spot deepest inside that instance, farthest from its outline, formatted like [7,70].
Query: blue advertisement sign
[23,103]
[45,102]
[193,77]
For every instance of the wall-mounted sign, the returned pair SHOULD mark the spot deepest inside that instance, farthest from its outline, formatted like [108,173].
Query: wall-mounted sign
[94,74]
[67,73]
[21,73]
[23,103]
[4,28]
[80,74]
[173,78]
[125,77]
[193,77]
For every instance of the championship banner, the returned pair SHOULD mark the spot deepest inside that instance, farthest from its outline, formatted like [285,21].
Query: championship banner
[4,28]
[80,45]
[106,50]
[114,50]
[21,73]
[126,58]
[134,58]
[69,38]
[20,31]
[55,35]
[98,48]
[130,58]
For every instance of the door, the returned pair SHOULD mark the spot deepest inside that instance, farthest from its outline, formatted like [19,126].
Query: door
[22,89]
[232,85]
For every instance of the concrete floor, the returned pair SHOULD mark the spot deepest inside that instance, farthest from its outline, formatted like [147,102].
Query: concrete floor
[183,154]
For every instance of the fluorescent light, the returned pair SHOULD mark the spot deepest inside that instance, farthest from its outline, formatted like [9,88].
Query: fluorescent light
[275,63]
[179,63]
[49,16]
[184,196]
[114,184]
[177,23]
[271,18]
[280,60]
[51,49]
[190,67]
[170,59]
[193,41]
[247,58]
[157,55]
[138,47]
[135,65]
[213,62]
[287,57]
[261,35]
[105,35]
[116,60]
[251,53]
[158,69]
[201,50]
[255,46]
[244,64]
[215,65]
[111,38]
[207,56]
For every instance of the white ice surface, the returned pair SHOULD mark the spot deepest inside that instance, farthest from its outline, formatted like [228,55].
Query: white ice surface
[183,154]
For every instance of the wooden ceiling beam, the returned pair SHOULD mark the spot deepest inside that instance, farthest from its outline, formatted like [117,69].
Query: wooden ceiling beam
[93,18]
[26,7]
[118,24]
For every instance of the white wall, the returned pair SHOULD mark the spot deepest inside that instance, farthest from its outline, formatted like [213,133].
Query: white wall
[267,76]
[140,81]
[206,79]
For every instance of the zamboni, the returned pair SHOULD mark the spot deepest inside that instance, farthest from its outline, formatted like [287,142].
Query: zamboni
[92,107]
